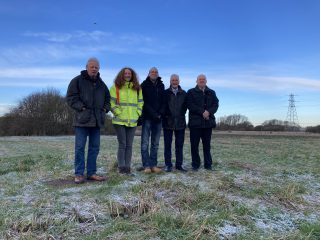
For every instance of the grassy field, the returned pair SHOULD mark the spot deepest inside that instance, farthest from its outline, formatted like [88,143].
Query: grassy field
[265,186]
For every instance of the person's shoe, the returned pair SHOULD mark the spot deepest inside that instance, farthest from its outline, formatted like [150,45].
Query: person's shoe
[97,178]
[147,170]
[156,170]
[208,168]
[168,169]
[139,169]
[79,179]
[128,172]
[195,169]
[181,169]
[122,170]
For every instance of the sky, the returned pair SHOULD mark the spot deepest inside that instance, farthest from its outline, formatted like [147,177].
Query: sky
[255,53]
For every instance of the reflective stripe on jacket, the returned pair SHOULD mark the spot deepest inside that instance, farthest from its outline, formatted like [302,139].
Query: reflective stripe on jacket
[129,108]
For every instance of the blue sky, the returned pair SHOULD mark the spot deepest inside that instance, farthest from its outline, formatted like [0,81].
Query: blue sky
[254,52]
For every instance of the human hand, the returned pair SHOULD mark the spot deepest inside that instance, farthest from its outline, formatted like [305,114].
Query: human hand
[206,115]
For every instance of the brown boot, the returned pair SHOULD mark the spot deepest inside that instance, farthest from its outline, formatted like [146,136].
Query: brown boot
[79,179]
[97,178]
[156,170]
[147,170]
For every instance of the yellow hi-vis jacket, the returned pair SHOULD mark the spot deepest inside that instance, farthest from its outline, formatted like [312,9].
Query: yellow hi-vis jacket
[127,107]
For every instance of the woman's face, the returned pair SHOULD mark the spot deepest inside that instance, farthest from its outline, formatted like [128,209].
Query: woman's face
[127,75]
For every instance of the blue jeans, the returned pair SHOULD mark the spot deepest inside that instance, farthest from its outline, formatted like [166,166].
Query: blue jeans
[93,150]
[179,141]
[153,129]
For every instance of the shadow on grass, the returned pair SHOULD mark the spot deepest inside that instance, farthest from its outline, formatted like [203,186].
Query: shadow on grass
[68,181]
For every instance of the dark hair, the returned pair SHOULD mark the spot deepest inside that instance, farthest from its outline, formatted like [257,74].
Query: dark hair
[119,81]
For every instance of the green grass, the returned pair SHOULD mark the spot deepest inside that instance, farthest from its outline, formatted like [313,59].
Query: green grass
[264,187]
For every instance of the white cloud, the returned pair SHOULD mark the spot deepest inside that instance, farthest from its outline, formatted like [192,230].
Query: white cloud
[50,36]
[5,108]
[45,76]
[37,73]
[89,41]
[52,47]
[240,79]
[61,37]
[58,76]
[266,83]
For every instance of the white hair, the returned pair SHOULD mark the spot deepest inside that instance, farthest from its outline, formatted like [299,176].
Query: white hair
[153,68]
[174,76]
[93,59]
[201,75]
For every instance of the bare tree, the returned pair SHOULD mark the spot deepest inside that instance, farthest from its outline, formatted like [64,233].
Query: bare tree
[234,122]
[42,113]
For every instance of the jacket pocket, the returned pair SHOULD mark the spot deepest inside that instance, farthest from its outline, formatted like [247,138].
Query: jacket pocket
[181,122]
[84,116]
[195,121]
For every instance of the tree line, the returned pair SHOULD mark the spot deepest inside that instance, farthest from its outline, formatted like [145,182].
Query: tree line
[46,113]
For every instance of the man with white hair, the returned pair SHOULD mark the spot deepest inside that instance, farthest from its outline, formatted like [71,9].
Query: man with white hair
[174,122]
[89,97]
[202,103]
[153,94]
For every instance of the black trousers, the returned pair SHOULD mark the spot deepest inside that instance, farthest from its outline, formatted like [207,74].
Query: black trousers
[179,141]
[205,135]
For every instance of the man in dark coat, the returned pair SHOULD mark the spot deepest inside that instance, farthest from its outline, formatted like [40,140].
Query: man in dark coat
[174,121]
[89,97]
[153,95]
[202,104]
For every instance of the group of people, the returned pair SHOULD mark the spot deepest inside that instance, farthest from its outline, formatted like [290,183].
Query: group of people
[132,104]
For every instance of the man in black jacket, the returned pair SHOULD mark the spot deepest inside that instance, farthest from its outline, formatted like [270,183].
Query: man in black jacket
[202,104]
[89,97]
[174,121]
[153,94]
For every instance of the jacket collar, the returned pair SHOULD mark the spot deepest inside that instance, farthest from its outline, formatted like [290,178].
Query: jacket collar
[199,90]
[179,89]
[84,74]
[148,79]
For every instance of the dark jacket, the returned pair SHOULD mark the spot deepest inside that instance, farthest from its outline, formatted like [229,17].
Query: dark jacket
[93,96]
[153,98]
[174,110]
[198,101]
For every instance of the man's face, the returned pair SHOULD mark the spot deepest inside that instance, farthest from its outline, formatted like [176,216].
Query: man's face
[174,82]
[127,74]
[93,69]
[201,81]
[153,74]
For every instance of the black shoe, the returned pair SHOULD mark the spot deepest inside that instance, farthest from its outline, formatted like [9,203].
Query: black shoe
[181,169]
[208,168]
[139,169]
[168,169]
[195,169]
[122,170]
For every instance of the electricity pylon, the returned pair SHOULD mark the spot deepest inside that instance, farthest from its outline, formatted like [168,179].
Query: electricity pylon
[292,116]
